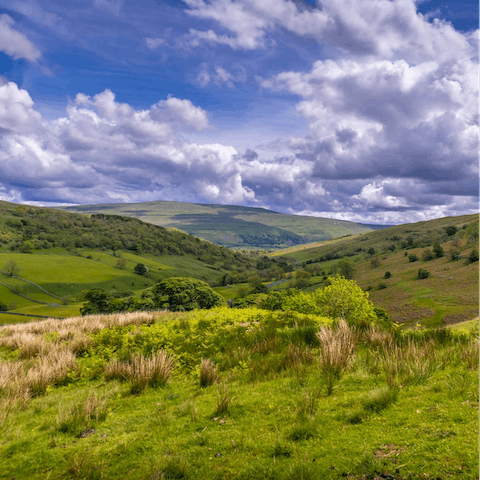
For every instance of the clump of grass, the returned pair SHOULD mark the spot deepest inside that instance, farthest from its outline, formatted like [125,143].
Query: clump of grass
[173,468]
[337,351]
[224,400]
[142,371]
[303,430]
[307,405]
[380,399]
[413,363]
[81,415]
[282,449]
[208,373]
[469,354]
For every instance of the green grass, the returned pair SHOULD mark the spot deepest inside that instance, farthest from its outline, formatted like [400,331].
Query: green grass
[278,424]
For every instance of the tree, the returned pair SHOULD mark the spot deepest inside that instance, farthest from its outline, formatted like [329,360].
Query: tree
[422,274]
[412,258]
[140,269]
[3,307]
[11,268]
[26,247]
[346,268]
[473,257]
[122,263]
[183,294]
[451,230]
[341,299]
[438,250]
[97,302]
[371,251]
[388,274]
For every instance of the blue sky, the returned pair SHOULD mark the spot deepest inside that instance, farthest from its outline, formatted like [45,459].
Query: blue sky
[362,110]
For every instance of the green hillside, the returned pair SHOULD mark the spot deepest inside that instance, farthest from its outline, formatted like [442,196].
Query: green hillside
[232,226]
[66,254]
[450,293]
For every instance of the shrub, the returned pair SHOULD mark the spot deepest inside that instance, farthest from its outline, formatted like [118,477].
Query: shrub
[451,230]
[412,257]
[438,250]
[388,274]
[341,299]
[473,257]
[183,294]
[140,269]
[381,286]
[422,274]
[3,307]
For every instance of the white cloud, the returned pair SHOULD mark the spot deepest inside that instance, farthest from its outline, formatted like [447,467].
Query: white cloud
[154,43]
[219,76]
[14,43]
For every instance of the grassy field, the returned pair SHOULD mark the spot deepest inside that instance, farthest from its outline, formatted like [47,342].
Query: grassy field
[67,276]
[404,407]
[232,226]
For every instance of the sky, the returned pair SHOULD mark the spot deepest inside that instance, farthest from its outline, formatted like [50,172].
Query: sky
[361,110]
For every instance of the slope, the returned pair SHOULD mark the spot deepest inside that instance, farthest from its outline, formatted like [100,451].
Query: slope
[232,226]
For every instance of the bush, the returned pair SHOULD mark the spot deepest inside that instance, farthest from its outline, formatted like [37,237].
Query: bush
[3,307]
[422,274]
[381,286]
[140,269]
[438,250]
[473,257]
[451,230]
[341,299]
[387,274]
[412,257]
[184,294]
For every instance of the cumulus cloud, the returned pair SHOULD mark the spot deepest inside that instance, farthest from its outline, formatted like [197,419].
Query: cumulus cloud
[14,43]
[104,150]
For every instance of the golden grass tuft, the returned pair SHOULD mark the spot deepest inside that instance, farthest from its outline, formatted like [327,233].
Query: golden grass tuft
[208,373]
[142,371]
[337,351]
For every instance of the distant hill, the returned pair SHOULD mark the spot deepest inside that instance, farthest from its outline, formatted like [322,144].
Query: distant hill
[450,293]
[232,226]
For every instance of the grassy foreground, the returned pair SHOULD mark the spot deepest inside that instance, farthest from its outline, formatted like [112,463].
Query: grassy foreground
[235,394]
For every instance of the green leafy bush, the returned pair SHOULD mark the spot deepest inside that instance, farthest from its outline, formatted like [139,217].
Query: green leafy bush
[341,299]
[180,294]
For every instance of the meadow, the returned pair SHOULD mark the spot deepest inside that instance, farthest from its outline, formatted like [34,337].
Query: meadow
[236,394]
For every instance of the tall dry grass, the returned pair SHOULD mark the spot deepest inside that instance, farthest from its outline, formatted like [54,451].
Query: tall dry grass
[141,371]
[338,346]
[208,373]
[47,351]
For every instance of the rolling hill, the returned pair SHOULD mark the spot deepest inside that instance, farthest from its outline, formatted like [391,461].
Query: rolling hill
[231,226]
[450,293]
[67,253]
